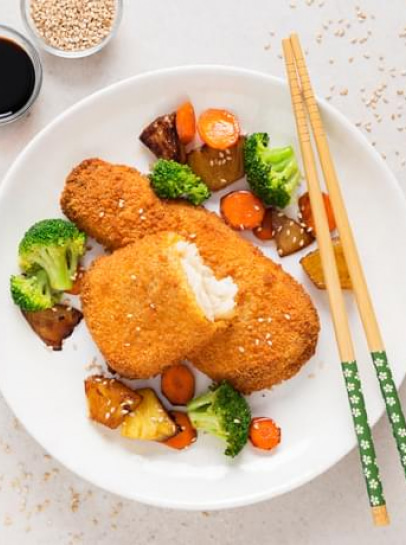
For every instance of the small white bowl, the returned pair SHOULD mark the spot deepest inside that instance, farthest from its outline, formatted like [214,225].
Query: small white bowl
[38,39]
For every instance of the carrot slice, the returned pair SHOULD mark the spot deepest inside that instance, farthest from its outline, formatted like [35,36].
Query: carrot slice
[242,210]
[219,129]
[77,284]
[265,230]
[186,122]
[306,214]
[178,384]
[264,433]
[186,434]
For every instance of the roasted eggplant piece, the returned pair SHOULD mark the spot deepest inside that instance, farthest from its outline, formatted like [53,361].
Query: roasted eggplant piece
[216,168]
[312,266]
[109,400]
[163,140]
[55,324]
[150,422]
[290,236]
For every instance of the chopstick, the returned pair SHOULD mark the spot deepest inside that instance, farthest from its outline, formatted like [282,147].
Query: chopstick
[365,306]
[336,301]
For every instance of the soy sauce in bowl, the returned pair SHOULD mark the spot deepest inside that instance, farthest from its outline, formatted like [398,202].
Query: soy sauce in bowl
[20,75]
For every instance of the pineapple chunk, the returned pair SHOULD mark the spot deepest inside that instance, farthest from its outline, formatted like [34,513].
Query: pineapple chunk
[312,265]
[150,422]
[109,400]
[290,236]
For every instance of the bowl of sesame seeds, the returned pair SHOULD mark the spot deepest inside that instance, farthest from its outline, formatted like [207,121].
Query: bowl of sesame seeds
[72,28]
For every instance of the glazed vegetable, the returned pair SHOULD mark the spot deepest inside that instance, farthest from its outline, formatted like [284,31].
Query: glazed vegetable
[264,433]
[306,215]
[219,129]
[54,245]
[186,434]
[265,230]
[290,236]
[109,400]
[242,210]
[162,139]
[178,384]
[186,123]
[55,324]
[217,168]
[222,412]
[171,180]
[32,292]
[272,173]
[312,265]
[150,422]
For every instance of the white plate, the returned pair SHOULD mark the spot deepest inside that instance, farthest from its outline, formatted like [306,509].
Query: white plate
[45,389]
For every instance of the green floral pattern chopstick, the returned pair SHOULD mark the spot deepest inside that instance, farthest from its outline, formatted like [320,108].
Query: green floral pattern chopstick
[363,433]
[392,402]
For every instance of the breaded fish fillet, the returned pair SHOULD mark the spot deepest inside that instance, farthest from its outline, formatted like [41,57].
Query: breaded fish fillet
[152,303]
[275,329]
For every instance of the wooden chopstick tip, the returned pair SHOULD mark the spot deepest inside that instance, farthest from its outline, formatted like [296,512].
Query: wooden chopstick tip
[380,515]
[287,49]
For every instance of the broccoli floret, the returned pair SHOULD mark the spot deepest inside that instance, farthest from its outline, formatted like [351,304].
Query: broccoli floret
[171,180]
[56,246]
[272,173]
[222,412]
[33,292]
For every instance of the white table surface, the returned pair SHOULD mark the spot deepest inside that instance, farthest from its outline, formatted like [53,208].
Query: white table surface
[357,56]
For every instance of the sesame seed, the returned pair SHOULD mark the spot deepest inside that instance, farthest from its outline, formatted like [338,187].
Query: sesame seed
[101,214]
[260,320]
[241,349]
[129,315]
[152,306]
[143,218]
[287,316]
[73,25]
[107,416]
[127,344]
[256,342]
[138,328]
[267,336]
[133,277]
[269,343]
[141,211]
[121,203]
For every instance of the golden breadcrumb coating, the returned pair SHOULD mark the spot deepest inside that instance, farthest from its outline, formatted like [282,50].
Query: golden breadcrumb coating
[275,328]
[140,309]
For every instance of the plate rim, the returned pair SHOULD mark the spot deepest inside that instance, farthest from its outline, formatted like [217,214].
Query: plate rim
[242,499]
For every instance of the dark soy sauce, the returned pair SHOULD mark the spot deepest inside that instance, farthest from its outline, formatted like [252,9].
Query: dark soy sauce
[17,78]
